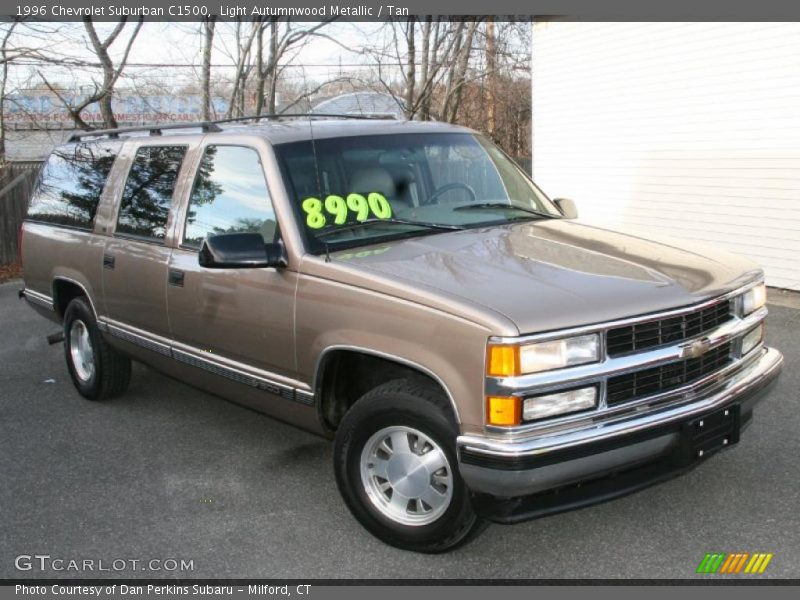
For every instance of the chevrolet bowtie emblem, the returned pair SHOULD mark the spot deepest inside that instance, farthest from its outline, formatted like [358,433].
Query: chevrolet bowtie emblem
[696,349]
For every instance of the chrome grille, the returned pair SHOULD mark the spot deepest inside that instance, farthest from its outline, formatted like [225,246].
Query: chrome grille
[649,334]
[647,382]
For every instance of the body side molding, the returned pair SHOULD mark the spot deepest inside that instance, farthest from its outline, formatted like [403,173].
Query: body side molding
[259,379]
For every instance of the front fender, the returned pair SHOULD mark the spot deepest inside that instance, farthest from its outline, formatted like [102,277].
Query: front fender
[451,350]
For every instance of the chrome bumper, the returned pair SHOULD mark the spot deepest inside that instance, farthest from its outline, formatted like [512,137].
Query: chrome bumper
[523,466]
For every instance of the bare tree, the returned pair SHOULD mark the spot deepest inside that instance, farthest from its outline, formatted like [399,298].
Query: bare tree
[18,40]
[458,74]
[262,52]
[102,93]
[439,43]
[208,45]
[15,51]
[491,76]
[475,72]
[439,63]
[283,37]
[411,66]
[244,46]
[5,57]
[496,94]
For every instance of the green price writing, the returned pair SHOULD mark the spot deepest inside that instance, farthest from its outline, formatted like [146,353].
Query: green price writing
[363,253]
[340,209]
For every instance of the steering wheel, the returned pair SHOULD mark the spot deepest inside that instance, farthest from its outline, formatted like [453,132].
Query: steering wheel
[452,186]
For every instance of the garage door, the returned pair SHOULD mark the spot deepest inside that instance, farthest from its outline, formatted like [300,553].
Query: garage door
[689,129]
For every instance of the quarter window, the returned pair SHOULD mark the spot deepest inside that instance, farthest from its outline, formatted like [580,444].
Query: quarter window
[148,191]
[71,183]
[229,196]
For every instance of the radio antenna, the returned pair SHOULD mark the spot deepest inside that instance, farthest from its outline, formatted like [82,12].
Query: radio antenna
[314,152]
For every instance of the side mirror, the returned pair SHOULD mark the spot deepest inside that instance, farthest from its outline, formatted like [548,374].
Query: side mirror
[240,251]
[567,208]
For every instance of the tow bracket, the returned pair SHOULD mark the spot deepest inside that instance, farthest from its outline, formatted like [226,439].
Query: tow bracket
[55,338]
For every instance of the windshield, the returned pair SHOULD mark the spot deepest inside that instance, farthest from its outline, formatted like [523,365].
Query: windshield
[404,185]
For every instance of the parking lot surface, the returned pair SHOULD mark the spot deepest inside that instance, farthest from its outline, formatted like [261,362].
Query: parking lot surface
[168,471]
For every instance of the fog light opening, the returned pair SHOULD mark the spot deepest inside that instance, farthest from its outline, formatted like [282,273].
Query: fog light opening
[560,403]
[752,339]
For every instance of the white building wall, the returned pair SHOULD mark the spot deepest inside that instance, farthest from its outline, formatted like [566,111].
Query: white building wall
[688,129]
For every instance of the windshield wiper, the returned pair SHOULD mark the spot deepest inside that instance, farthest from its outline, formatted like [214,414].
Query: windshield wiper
[490,205]
[369,222]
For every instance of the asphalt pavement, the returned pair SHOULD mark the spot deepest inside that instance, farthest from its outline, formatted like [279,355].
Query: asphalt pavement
[170,472]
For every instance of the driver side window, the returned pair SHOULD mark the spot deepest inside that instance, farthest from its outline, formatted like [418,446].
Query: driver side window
[229,196]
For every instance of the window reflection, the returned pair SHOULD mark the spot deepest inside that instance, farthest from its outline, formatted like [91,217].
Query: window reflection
[229,196]
[71,183]
[147,196]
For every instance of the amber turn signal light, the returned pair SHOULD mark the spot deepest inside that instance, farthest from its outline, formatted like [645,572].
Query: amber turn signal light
[502,361]
[503,410]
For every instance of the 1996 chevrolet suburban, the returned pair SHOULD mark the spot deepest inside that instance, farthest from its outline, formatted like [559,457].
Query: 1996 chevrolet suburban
[475,351]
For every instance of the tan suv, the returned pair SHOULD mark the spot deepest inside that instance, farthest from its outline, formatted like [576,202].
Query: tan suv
[404,288]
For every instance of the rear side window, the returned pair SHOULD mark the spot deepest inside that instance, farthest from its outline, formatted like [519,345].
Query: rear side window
[147,196]
[229,196]
[71,183]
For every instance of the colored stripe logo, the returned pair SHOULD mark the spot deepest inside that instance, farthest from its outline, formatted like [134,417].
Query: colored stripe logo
[735,563]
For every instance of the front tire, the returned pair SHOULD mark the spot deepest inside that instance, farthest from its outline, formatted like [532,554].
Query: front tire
[397,470]
[97,370]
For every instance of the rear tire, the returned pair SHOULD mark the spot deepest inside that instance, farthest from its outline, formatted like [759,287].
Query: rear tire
[97,370]
[396,468]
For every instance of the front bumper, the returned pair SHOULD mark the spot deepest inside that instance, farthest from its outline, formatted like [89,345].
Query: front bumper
[605,459]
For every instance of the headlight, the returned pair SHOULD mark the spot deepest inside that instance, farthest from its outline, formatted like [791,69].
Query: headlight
[752,339]
[550,405]
[511,360]
[753,299]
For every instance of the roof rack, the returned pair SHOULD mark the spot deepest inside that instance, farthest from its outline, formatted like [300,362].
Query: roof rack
[206,126]
[210,126]
[276,116]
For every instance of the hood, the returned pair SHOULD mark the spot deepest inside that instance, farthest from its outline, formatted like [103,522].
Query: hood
[546,275]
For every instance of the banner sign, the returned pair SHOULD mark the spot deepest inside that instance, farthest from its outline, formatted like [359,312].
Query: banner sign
[45,108]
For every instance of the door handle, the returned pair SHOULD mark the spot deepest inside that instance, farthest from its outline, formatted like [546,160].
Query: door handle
[108,261]
[175,277]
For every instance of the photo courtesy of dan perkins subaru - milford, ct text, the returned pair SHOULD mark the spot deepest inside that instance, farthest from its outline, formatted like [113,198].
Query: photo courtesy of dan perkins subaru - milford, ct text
[159,590]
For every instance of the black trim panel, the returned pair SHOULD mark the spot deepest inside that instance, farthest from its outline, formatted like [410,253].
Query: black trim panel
[234,375]
[589,493]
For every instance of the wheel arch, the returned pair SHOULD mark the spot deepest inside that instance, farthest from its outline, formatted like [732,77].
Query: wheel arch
[66,289]
[324,384]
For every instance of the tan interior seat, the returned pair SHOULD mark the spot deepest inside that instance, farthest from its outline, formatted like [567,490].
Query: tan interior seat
[373,179]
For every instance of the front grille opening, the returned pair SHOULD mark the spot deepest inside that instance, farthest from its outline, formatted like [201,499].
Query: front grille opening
[624,388]
[650,334]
